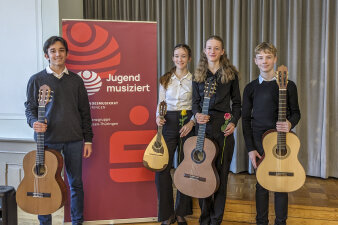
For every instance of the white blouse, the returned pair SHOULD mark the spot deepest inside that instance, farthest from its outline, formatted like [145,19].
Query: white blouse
[178,94]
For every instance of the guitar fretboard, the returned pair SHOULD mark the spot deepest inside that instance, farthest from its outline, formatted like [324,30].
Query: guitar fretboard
[202,127]
[281,136]
[40,153]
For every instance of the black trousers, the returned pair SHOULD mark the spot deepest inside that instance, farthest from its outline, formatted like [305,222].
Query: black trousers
[262,195]
[163,179]
[212,208]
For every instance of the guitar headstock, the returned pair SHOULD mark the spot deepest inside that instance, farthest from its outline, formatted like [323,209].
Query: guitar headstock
[162,108]
[210,87]
[282,77]
[44,95]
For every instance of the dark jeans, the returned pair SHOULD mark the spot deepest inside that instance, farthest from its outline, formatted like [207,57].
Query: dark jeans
[262,206]
[163,179]
[72,154]
[212,208]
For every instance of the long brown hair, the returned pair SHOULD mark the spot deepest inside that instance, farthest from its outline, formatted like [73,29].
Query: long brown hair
[228,71]
[165,78]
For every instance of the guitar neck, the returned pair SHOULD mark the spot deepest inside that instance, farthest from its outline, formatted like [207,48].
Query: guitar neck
[202,127]
[40,153]
[282,106]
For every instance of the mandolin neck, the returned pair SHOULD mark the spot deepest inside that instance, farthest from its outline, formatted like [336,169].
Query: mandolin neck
[159,131]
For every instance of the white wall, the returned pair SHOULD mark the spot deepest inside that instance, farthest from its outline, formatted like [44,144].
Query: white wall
[25,25]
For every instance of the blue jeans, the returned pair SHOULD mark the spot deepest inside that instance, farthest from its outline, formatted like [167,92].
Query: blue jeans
[72,154]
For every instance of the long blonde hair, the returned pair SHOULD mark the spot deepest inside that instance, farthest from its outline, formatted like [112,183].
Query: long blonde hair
[228,71]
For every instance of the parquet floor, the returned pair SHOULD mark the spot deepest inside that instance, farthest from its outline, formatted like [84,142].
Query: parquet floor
[316,203]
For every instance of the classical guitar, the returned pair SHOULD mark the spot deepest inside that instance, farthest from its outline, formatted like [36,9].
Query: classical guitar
[156,156]
[280,170]
[196,176]
[42,190]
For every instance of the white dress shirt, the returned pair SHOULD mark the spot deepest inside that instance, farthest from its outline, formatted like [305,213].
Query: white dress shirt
[261,79]
[178,94]
[50,71]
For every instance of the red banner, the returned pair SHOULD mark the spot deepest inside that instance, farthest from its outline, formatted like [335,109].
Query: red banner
[118,63]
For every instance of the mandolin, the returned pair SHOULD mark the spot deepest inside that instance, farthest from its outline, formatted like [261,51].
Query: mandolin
[280,170]
[42,190]
[196,176]
[156,155]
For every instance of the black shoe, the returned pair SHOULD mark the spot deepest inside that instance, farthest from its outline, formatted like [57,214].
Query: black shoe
[183,222]
[171,220]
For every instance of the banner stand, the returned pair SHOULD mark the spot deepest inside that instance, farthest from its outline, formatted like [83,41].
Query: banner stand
[117,60]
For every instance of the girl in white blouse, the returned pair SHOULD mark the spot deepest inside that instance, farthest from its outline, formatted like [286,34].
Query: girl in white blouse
[176,90]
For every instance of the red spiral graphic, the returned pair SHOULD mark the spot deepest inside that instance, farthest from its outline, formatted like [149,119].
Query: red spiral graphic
[91,80]
[91,48]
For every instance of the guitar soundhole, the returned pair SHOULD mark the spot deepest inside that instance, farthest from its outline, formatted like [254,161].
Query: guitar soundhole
[198,156]
[40,170]
[281,153]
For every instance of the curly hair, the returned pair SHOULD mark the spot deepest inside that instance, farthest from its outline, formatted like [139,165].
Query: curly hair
[165,78]
[228,71]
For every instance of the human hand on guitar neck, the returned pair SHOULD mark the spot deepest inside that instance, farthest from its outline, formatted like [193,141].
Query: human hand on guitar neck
[160,122]
[283,126]
[40,127]
[202,118]
[280,127]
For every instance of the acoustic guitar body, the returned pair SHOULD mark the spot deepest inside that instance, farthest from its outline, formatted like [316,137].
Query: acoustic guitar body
[42,194]
[197,178]
[280,171]
[156,155]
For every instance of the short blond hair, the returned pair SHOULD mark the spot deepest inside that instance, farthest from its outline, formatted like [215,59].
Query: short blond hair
[266,48]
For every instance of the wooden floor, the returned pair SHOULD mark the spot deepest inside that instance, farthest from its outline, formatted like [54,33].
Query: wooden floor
[316,203]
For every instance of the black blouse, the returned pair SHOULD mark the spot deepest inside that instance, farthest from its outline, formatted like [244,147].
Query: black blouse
[227,98]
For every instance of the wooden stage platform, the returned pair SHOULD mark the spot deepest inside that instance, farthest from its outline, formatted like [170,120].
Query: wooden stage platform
[316,203]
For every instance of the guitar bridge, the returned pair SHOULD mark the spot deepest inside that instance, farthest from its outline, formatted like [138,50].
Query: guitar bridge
[281,174]
[203,179]
[39,195]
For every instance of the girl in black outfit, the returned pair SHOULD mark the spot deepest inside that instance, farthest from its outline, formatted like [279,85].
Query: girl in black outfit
[214,63]
[176,90]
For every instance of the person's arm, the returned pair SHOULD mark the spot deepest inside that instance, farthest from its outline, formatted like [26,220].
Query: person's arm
[196,98]
[236,102]
[196,108]
[235,107]
[246,118]
[293,112]
[246,126]
[161,97]
[31,104]
[84,109]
